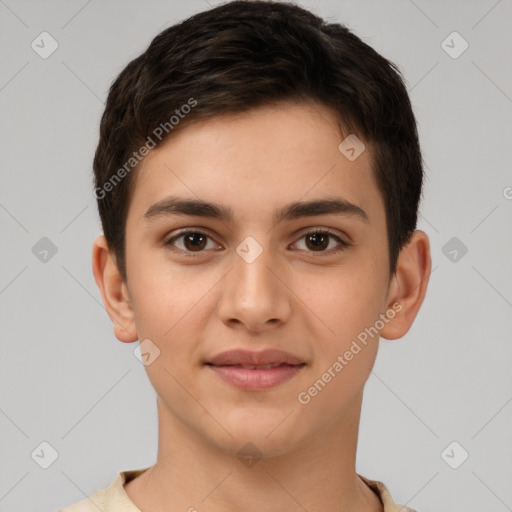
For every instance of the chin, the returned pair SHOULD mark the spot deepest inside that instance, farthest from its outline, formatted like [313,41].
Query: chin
[261,438]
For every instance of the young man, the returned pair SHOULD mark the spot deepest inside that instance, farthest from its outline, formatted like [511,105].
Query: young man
[258,177]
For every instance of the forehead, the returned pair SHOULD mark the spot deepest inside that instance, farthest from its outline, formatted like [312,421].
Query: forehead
[257,162]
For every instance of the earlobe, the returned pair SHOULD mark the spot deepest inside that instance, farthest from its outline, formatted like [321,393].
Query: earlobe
[114,291]
[409,285]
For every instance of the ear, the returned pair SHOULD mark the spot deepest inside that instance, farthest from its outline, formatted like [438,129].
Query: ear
[408,285]
[114,292]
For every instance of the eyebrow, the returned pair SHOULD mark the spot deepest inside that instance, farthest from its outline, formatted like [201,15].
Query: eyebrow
[197,208]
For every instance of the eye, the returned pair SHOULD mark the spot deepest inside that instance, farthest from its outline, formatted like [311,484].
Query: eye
[190,242]
[319,240]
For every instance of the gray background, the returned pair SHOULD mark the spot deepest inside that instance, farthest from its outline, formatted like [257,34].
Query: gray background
[66,380]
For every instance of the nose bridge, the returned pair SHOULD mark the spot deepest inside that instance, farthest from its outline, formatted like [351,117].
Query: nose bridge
[254,295]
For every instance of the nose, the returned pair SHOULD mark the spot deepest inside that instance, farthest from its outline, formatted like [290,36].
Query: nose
[255,295]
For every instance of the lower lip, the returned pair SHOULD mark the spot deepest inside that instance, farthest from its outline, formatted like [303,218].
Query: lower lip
[256,380]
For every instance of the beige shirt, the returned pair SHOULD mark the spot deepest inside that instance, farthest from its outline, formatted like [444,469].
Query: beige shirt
[115,499]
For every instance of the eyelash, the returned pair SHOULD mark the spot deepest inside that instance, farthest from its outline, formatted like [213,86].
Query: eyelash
[343,244]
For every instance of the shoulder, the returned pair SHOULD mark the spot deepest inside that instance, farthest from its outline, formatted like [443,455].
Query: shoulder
[100,500]
[385,496]
[91,504]
[111,499]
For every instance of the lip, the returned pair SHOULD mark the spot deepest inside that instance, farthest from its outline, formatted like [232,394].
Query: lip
[256,380]
[249,357]
[231,366]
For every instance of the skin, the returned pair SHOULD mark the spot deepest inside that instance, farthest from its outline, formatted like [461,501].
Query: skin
[309,301]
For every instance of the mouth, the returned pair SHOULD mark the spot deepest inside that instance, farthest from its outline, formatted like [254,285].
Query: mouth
[255,366]
[261,377]
[257,359]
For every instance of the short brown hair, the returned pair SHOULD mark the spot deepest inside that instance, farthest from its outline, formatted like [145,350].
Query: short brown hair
[246,54]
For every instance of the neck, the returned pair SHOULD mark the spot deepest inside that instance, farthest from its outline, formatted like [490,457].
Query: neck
[194,474]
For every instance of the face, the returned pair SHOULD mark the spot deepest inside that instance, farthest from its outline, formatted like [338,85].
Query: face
[307,281]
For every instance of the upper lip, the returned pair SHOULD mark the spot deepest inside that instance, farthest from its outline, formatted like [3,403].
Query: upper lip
[247,357]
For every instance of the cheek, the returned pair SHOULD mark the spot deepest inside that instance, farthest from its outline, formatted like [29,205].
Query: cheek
[345,302]
[346,350]
[159,300]
[346,308]
[171,308]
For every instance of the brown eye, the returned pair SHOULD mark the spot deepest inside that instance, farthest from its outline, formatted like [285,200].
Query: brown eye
[194,241]
[190,241]
[319,241]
